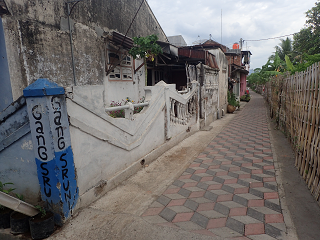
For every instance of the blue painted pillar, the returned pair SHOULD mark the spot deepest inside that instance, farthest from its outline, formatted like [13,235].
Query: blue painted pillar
[52,147]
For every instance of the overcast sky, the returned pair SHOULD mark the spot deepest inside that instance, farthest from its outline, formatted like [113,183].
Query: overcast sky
[246,19]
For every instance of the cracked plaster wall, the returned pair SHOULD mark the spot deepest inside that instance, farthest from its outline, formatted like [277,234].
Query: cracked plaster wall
[38,45]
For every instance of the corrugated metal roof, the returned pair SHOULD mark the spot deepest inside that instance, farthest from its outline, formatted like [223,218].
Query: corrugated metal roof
[191,53]
[203,55]
[122,40]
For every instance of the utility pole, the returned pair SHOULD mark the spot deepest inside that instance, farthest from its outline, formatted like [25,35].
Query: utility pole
[69,11]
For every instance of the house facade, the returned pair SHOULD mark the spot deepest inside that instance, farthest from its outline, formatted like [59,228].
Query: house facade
[239,65]
[67,64]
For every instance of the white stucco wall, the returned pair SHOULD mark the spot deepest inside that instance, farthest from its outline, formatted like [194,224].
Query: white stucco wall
[223,77]
[118,91]
[105,147]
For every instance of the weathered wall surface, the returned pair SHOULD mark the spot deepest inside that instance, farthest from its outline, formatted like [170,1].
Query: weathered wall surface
[5,89]
[38,46]
[118,91]
[16,152]
[243,84]
[223,77]
[107,150]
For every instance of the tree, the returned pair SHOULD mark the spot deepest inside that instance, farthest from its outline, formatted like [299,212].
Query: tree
[145,47]
[307,40]
[284,48]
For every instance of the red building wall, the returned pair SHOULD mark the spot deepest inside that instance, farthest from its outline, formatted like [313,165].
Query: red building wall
[243,84]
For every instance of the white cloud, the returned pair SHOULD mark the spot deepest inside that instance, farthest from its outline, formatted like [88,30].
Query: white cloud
[250,20]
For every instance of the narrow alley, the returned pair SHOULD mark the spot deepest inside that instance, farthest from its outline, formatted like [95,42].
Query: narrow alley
[219,184]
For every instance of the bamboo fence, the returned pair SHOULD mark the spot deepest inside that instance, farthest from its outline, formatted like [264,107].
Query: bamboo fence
[295,104]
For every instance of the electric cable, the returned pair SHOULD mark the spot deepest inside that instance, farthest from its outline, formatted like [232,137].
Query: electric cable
[269,38]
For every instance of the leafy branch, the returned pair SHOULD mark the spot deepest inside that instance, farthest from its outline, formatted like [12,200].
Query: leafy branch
[145,47]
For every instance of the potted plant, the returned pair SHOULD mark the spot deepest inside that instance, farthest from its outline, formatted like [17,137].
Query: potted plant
[4,211]
[232,102]
[19,222]
[41,225]
[246,97]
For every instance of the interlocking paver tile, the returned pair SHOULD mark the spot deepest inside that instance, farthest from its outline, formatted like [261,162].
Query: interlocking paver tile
[274,218]
[197,194]
[256,203]
[207,178]
[185,176]
[201,200]
[205,206]
[217,223]
[182,217]
[199,219]
[264,210]
[225,232]
[178,183]
[254,229]
[203,185]
[231,204]
[163,200]
[212,214]
[152,211]
[271,195]
[194,189]
[184,192]
[221,209]
[196,177]
[214,186]
[261,237]
[167,214]
[176,202]
[191,204]
[171,190]
[240,211]
[190,184]
[180,209]
[174,196]
[224,197]
[235,225]
[230,189]
[271,185]
[272,231]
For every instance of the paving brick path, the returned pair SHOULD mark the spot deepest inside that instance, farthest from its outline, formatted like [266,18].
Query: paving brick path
[230,189]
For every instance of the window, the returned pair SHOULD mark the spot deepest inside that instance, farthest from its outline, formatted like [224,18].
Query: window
[123,70]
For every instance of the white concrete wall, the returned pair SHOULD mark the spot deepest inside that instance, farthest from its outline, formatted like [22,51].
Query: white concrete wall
[223,78]
[108,150]
[120,90]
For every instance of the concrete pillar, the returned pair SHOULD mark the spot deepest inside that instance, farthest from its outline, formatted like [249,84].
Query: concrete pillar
[52,147]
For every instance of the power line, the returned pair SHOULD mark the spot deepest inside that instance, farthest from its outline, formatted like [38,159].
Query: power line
[269,38]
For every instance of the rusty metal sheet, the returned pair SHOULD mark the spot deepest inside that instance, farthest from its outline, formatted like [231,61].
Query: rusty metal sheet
[211,61]
[191,53]
[120,39]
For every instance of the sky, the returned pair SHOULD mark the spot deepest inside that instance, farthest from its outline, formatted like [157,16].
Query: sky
[249,20]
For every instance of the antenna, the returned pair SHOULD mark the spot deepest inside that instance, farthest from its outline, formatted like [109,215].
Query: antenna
[221,26]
